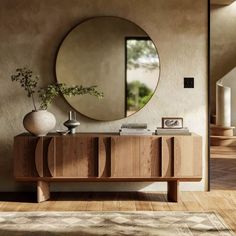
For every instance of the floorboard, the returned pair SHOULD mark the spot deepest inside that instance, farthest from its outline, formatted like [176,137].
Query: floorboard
[223,173]
[221,201]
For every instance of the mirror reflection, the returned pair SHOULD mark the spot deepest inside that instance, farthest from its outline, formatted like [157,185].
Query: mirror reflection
[118,57]
[141,70]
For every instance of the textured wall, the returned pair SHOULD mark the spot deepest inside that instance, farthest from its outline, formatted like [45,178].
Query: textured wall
[31,30]
[223,46]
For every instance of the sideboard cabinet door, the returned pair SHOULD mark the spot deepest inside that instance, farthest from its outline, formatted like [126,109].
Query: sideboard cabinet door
[71,156]
[187,156]
[135,156]
[24,156]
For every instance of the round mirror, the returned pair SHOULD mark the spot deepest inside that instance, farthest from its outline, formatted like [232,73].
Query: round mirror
[115,55]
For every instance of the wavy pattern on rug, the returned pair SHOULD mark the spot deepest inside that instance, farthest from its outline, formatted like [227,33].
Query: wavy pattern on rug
[112,223]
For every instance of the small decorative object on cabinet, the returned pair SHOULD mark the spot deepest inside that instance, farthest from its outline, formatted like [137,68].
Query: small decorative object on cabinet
[71,123]
[39,122]
[172,122]
[172,131]
[107,157]
[135,129]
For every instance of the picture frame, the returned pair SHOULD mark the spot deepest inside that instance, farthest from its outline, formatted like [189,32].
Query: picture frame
[172,122]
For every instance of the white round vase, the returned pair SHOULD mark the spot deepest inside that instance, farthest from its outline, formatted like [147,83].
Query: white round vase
[39,122]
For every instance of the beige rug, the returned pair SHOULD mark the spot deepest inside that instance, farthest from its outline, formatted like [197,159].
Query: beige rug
[112,223]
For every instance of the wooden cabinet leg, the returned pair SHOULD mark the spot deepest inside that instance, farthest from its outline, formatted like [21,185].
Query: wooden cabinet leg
[43,192]
[173,191]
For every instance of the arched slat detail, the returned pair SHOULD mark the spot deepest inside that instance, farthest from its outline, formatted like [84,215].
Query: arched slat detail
[52,156]
[167,156]
[104,157]
[39,157]
[101,157]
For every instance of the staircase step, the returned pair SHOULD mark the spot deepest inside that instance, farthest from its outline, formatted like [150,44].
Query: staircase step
[223,151]
[223,141]
[216,130]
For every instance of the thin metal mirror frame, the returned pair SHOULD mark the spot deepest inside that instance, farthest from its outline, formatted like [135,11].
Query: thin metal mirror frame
[92,18]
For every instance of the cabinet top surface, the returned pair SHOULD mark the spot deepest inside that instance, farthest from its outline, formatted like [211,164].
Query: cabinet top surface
[97,134]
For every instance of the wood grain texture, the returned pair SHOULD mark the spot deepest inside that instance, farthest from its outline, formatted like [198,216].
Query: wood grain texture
[43,191]
[24,156]
[39,157]
[109,179]
[173,191]
[197,156]
[187,156]
[167,156]
[74,156]
[149,157]
[216,130]
[223,152]
[156,158]
[52,157]
[223,171]
[135,156]
[220,201]
[124,158]
[104,157]
[229,141]
[221,2]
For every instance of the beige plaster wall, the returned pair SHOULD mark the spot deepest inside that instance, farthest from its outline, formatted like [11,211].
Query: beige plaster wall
[223,46]
[30,32]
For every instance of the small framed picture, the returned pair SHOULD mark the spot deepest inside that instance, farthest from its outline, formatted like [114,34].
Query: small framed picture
[172,122]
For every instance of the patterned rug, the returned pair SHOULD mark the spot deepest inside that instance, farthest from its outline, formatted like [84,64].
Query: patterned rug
[111,223]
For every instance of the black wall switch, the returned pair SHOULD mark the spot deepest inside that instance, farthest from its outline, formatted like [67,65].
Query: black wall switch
[188,82]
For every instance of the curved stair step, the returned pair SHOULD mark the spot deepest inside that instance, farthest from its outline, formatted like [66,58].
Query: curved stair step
[222,151]
[216,130]
[223,141]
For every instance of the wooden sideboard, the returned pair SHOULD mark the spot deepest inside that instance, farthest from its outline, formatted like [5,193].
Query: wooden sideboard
[107,157]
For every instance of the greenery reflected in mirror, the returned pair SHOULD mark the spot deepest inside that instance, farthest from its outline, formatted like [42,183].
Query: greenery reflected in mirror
[137,96]
[142,60]
[141,52]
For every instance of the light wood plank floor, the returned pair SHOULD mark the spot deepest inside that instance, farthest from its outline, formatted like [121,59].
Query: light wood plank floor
[223,173]
[223,170]
[221,201]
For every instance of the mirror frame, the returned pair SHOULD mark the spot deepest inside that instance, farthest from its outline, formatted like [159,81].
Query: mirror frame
[77,25]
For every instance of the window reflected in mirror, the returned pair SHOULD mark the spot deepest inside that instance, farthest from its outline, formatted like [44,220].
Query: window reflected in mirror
[142,67]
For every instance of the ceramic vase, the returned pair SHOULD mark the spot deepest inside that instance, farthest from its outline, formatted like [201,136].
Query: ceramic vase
[71,123]
[39,122]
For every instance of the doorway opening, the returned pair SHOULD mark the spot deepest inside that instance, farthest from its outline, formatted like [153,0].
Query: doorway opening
[141,71]
[222,96]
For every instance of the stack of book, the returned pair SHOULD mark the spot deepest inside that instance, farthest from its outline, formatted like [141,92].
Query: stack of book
[135,129]
[165,131]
